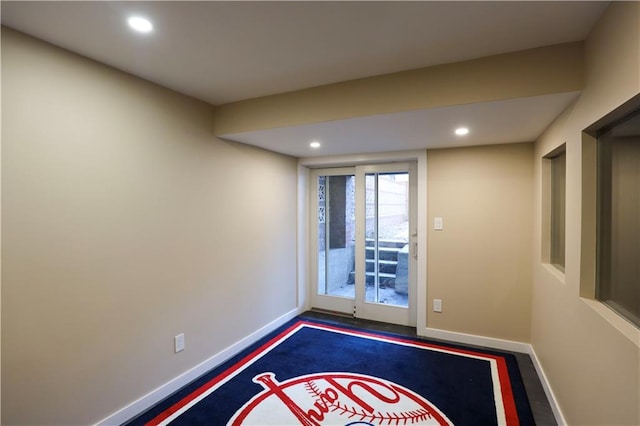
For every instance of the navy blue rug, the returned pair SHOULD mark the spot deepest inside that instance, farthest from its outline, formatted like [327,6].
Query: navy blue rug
[312,373]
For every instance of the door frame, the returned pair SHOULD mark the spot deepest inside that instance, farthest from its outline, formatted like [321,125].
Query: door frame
[305,274]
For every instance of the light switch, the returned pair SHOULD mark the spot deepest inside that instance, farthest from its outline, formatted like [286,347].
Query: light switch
[178,342]
[437,223]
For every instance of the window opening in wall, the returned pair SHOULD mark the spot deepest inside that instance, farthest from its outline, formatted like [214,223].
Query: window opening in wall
[618,217]
[558,184]
[557,166]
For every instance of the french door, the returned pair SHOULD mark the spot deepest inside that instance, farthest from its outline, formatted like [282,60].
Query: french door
[363,241]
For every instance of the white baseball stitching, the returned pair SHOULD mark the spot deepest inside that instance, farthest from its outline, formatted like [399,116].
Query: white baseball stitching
[408,417]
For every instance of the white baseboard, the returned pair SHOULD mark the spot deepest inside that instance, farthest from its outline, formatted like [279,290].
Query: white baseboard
[471,339]
[155,396]
[506,345]
[557,412]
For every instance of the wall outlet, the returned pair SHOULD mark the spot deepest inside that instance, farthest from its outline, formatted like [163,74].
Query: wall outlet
[437,305]
[178,342]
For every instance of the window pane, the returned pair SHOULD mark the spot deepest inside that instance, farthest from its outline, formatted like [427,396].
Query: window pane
[336,235]
[387,238]
[618,264]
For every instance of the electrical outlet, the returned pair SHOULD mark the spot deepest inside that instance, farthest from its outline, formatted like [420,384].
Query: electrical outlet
[437,305]
[178,342]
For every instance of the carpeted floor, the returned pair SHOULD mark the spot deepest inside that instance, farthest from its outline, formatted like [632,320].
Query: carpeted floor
[323,369]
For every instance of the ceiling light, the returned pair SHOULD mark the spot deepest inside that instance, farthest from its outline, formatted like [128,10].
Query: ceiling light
[315,144]
[140,24]
[461,131]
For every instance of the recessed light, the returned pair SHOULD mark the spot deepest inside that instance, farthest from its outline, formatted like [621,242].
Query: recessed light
[315,144]
[140,24]
[461,131]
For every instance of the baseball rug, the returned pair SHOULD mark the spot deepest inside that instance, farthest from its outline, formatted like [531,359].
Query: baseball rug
[313,373]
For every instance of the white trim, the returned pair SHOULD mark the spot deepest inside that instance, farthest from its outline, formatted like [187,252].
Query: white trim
[302,264]
[156,395]
[553,270]
[555,407]
[621,324]
[471,339]
[358,159]
[421,224]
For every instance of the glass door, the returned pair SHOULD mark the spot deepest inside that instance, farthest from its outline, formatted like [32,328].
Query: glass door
[388,270]
[364,241]
[334,233]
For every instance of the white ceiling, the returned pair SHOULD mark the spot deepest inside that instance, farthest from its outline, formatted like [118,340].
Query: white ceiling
[228,51]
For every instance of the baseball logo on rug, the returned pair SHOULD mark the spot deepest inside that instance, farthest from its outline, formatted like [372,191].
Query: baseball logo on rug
[336,399]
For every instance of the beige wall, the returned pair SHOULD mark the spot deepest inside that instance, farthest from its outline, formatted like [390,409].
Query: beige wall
[479,265]
[593,364]
[126,222]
